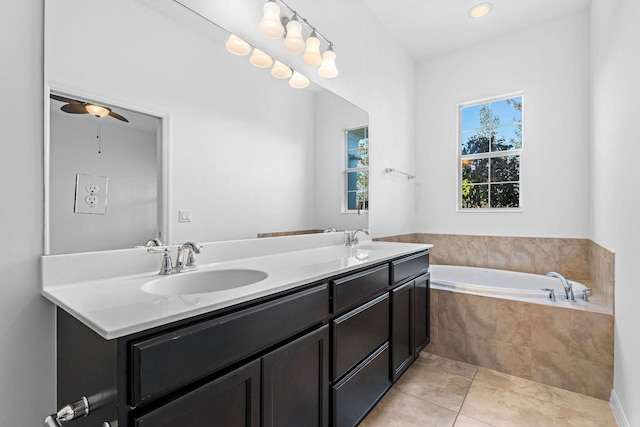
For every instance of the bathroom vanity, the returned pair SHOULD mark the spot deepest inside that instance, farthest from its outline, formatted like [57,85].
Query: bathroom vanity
[318,350]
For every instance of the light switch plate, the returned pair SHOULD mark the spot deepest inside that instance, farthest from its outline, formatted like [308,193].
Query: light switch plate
[91,194]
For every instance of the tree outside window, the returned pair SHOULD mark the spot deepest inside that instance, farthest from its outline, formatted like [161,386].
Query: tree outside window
[490,152]
[357,170]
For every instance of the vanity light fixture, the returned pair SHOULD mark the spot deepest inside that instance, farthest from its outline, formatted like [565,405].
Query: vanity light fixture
[237,46]
[294,42]
[260,59]
[480,10]
[281,71]
[298,81]
[271,26]
[312,54]
[328,67]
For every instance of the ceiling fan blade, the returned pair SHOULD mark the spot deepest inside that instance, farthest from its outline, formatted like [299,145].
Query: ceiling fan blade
[118,116]
[64,99]
[74,108]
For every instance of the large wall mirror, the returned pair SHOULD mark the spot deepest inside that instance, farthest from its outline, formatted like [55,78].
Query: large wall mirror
[208,134]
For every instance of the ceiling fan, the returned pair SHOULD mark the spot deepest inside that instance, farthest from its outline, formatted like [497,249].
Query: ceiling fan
[74,106]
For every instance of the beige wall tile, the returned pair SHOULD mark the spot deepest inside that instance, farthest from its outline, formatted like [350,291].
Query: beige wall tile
[452,312]
[550,329]
[592,336]
[481,316]
[513,359]
[552,369]
[452,344]
[592,379]
[481,352]
[513,322]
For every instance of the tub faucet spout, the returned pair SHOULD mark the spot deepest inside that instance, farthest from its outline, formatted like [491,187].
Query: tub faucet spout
[567,285]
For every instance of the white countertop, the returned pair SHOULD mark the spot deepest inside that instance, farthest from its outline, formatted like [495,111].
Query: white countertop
[115,305]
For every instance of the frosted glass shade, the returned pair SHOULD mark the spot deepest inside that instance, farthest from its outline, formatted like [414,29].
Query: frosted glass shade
[270,24]
[312,54]
[298,81]
[97,110]
[237,46]
[260,59]
[281,71]
[328,67]
[294,42]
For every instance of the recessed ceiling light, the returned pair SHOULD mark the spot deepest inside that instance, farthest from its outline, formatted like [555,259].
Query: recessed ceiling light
[480,10]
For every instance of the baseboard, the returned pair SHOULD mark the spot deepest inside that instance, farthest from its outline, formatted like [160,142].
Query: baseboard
[618,413]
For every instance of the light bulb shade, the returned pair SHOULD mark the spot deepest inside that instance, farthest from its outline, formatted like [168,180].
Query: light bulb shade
[298,81]
[281,71]
[260,59]
[312,54]
[294,42]
[237,46]
[328,67]
[97,110]
[270,24]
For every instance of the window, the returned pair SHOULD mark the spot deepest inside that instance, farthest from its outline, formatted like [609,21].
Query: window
[490,150]
[357,170]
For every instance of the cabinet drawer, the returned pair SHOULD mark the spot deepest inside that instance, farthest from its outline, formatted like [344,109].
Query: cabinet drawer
[233,400]
[349,291]
[356,394]
[358,333]
[408,267]
[168,361]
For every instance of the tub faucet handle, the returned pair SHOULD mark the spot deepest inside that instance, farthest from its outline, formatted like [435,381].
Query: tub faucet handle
[552,293]
[585,294]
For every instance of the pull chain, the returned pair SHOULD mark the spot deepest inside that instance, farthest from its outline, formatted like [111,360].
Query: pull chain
[98,135]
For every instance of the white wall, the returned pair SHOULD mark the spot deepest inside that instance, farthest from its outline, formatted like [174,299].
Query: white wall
[127,159]
[615,153]
[27,361]
[27,365]
[550,62]
[375,74]
[333,117]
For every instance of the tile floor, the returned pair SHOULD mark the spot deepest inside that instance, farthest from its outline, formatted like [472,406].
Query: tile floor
[440,392]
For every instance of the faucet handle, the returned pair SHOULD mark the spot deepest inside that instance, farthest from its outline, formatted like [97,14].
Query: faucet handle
[552,293]
[585,293]
[166,267]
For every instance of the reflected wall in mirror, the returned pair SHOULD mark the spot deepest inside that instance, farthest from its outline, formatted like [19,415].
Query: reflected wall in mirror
[123,209]
[247,154]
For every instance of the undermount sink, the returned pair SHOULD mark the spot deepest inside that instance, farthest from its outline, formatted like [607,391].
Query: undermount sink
[367,247]
[200,282]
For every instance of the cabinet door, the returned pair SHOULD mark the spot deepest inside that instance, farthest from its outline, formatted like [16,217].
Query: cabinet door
[421,314]
[295,382]
[402,326]
[230,401]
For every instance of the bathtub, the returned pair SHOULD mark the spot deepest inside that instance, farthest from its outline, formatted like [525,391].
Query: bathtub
[498,283]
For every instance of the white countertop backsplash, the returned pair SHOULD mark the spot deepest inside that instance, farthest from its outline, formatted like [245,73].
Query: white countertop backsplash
[103,289]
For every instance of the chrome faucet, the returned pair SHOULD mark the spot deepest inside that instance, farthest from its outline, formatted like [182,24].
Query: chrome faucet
[186,260]
[352,238]
[567,285]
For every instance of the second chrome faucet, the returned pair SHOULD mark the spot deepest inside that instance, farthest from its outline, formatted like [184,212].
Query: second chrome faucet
[185,259]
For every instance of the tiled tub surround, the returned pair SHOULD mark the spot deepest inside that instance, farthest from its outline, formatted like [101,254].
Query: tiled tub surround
[566,346]
[577,259]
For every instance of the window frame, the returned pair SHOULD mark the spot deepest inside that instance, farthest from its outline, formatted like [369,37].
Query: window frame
[347,170]
[490,154]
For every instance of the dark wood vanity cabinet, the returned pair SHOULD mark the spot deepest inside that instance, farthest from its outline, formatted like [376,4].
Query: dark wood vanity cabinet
[321,355]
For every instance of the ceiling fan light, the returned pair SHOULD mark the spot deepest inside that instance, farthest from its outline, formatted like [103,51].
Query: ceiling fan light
[294,42]
[328,67]
[270,24]
[237,46]
[480,10]
[281,71]
[97,110]
[260,59]
[312,55]
[298,80]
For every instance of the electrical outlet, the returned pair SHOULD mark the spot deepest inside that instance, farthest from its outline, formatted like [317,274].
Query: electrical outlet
[91,194]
